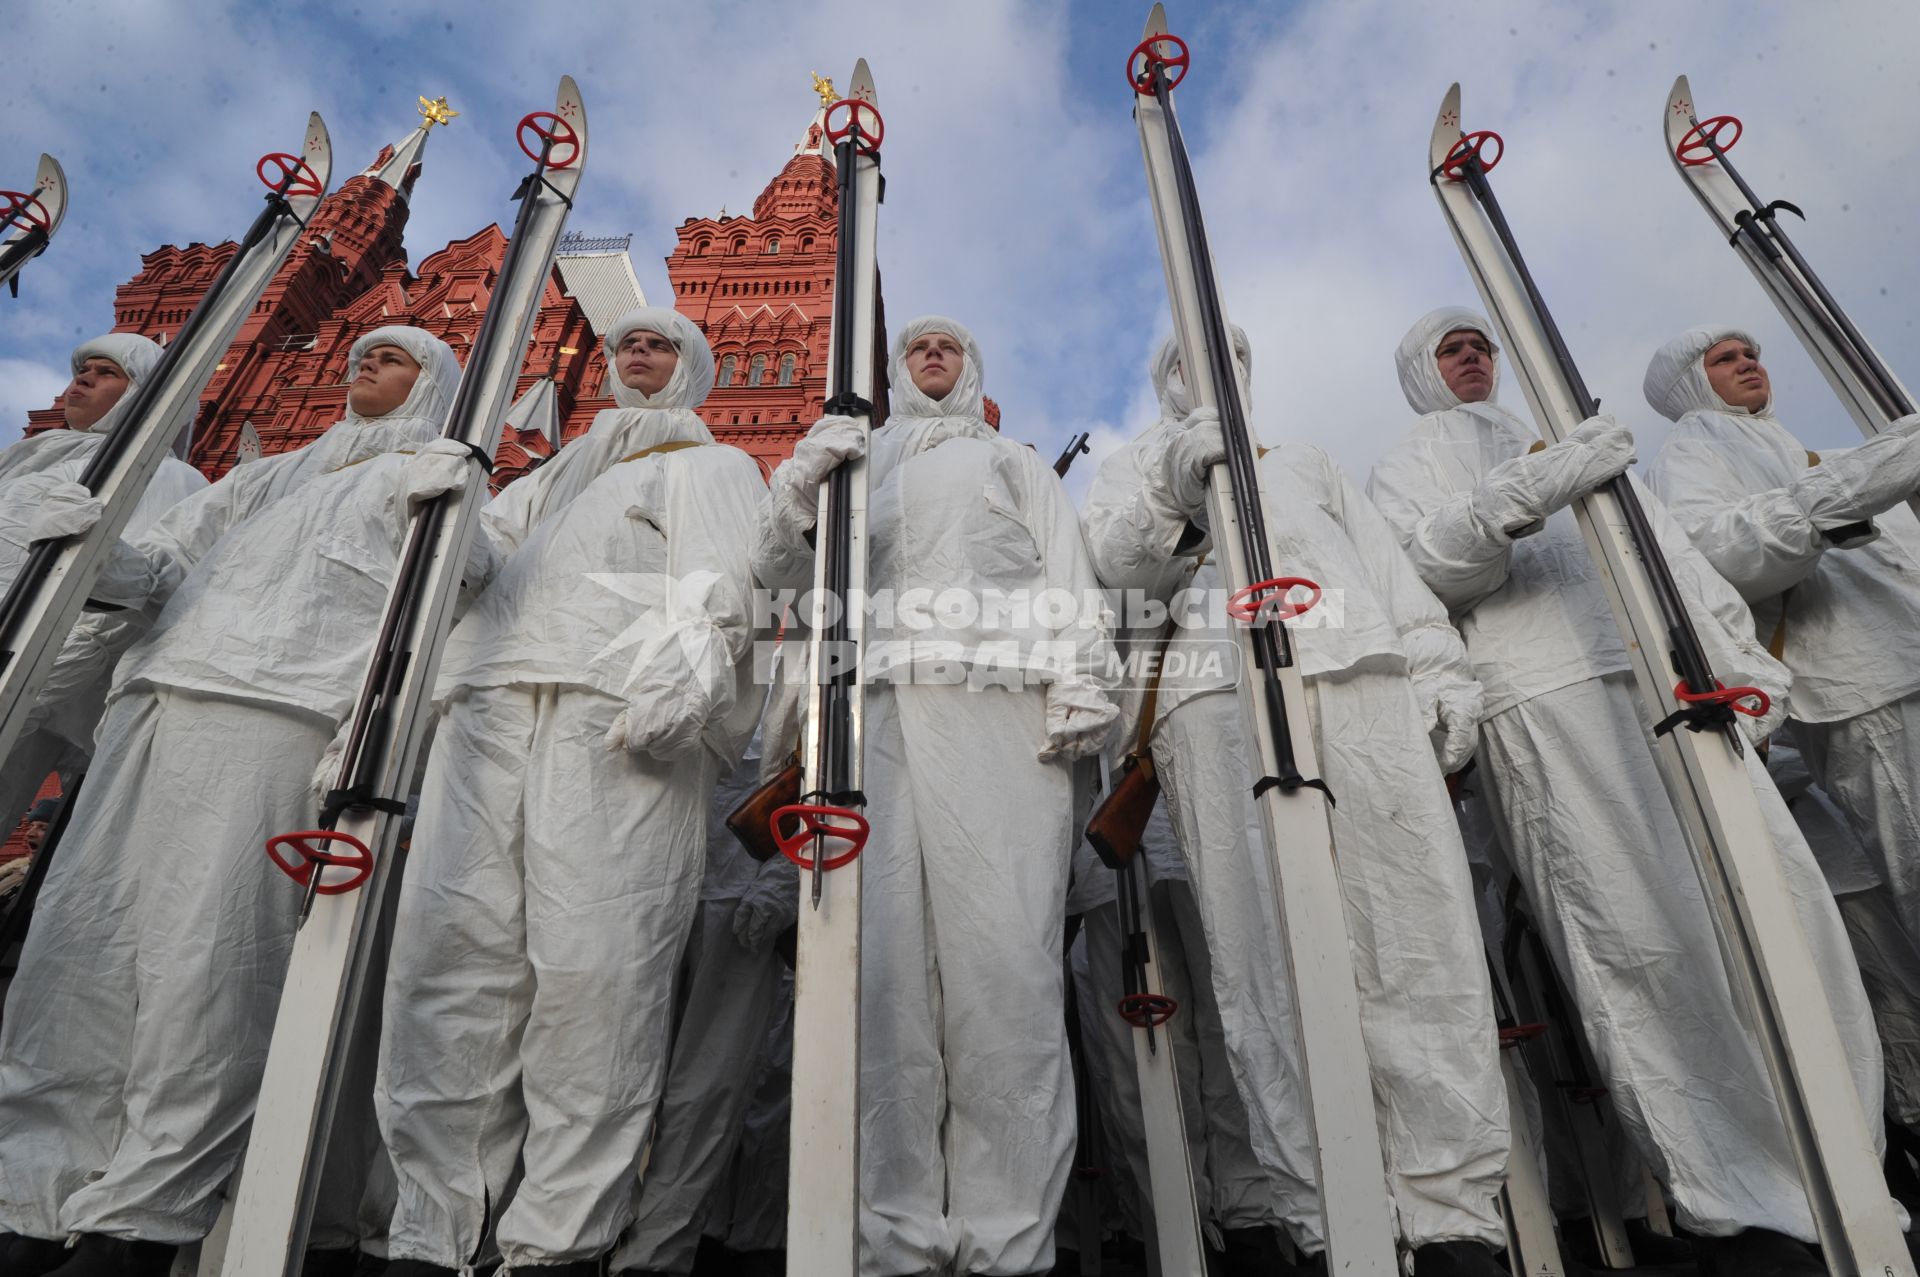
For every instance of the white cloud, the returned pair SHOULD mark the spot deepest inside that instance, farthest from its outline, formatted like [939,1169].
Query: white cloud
[1015,199]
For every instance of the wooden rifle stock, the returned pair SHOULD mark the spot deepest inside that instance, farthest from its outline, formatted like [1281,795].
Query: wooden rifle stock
[752,821]
[1120,821]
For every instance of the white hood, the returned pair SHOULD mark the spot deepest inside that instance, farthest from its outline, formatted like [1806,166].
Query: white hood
[134,355]
[692,379]
[1420,379]
[1176,401]
[1676,382]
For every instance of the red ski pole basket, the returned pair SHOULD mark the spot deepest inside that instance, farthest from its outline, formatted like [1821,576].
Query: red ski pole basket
[1473,146]
[554,133]
[20,206]
[1148,54]
[1702,143]
[1267,600]
[1147,1010]
[818,820]
[859,111]
[1734,698]
[302,854]
[291,172]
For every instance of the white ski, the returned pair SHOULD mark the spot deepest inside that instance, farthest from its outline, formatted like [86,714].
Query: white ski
[1851,365]
[47,597]
[29,219]
[1704,770]
[823,1185]
[1293,803]
[331,970]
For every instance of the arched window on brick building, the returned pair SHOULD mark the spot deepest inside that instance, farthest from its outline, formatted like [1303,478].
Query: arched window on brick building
[786,369]
[726,372]
[757,370]
[773,245]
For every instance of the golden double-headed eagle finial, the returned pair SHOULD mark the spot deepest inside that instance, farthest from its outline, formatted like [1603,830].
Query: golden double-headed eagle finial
[824,87]
[436,111]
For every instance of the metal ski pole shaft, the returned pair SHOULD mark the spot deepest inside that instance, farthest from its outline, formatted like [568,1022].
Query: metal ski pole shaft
[345,867]
[1294,805]
[827,827]
[1856,371]
[1178,1240]
[47,596]
[1703,764]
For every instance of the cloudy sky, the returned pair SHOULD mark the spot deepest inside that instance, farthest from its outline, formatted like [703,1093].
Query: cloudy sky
[1015,197]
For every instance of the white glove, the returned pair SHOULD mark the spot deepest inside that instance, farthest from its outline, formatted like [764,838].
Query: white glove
[769,906]
[1759,730]
[1858,483]
[1517,495]
[68,510]
[13,873]
[795,499]
[439,467]
[683,680]
[1080,720]
[1458,709]
[327,774]
[1195,450]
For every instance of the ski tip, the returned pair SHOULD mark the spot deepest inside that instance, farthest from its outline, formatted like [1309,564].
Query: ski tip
[569,106]
[50,188]
[1156,22]
[1446,127]
[317,150]
[1680,115]
[860,84]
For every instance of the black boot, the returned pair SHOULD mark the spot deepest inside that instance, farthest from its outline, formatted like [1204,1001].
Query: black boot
[97,1256]
[569,1268]
[330,1263]
[1650,1247]
[30,1256]
[1253,1252]
[1456,1259]
[418,1268]
[1756,1252]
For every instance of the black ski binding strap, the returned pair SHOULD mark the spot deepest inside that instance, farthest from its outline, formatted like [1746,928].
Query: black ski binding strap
[847,404]
[341,801]
[480,455]
[1290,784]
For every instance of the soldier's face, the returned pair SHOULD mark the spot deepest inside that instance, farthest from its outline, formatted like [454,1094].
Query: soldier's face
[382,381]
[645,361]
[1465,359]
[1734,372]
[95,389]
[934,361]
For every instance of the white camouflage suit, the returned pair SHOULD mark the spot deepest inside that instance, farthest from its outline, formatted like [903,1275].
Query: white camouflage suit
[1381,675]
[1568,768]
[61,735]
[966,1091]
[589,700]
[1843,610]
[137,1030]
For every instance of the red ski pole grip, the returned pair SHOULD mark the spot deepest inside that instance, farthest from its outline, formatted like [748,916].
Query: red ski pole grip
[1699,145]
[818,820]
[22,205]
[548,128]
[1265,600]
[294,174]
[1735,698]
[302,854]
[1175,64]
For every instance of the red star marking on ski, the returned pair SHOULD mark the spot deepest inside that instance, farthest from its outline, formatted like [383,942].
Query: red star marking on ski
[570,109]
[1449,119]
[1683,107]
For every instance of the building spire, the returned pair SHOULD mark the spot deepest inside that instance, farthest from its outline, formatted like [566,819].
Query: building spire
[399,164]
[813,141]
